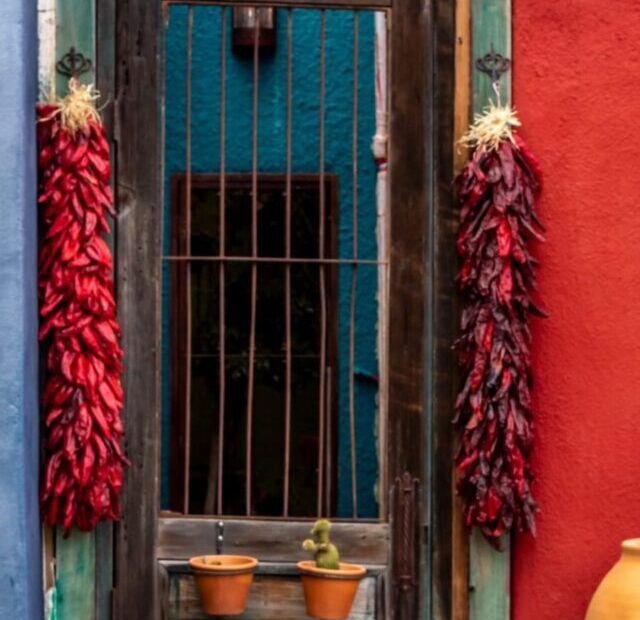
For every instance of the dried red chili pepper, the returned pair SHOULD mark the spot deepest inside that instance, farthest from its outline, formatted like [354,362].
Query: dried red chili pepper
[497,192]
[82,395]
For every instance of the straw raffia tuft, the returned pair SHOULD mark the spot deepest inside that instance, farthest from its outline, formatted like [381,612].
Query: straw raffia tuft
[78,108]
[492,127]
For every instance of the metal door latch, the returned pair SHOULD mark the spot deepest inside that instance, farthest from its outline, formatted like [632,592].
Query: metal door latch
[405,514]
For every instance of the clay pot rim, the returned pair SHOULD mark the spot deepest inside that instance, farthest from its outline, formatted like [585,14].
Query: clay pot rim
[631,546]
[346,571]
[229,564]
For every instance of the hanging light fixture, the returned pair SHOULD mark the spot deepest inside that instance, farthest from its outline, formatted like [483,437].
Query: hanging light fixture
[250,23]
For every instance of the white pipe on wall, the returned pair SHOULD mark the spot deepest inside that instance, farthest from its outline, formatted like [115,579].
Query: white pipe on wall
[379,148]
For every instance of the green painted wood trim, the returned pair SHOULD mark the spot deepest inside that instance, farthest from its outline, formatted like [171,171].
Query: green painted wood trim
[75,575]
[490,580]
[75,27]
[489,570]
[491,25]
[76,555]
[104,570]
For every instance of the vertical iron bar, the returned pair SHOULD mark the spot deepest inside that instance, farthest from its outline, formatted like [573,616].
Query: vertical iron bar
[187,439]
[223,249]
[329,442]
[354,272]
[254,266]
[323,291]
[287,405]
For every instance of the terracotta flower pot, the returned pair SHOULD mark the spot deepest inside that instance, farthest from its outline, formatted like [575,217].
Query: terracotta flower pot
[618,595]
[223,582]
[329,593]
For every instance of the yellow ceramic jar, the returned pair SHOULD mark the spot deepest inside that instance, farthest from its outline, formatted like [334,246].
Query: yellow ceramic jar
[618,595]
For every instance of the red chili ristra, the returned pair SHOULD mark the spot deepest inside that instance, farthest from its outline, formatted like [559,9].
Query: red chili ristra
[497,192]
[83,395]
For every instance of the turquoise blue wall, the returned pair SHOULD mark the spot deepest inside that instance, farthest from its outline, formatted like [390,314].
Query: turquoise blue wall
[20,553]
[272,126]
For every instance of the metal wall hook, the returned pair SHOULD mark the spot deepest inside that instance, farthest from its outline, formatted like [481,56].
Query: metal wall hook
[493,64]
[74,64]
[219,537]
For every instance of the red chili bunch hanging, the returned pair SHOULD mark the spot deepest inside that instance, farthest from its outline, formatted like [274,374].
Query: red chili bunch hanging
[83,395]
[497,192]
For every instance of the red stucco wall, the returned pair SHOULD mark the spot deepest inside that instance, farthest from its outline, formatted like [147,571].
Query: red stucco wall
[577,88]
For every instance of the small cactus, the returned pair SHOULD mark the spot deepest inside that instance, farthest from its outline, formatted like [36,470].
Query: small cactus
[326,554]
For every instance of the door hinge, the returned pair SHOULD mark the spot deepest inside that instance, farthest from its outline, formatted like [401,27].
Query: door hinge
[405,532]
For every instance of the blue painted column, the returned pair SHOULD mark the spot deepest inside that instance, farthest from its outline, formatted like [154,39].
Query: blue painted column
[20,550]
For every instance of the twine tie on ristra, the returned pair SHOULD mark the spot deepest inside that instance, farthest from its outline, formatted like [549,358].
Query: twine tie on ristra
[78,108]
[493,126]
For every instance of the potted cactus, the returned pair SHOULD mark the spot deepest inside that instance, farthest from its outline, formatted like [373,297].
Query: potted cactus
[223,582]
[329,585]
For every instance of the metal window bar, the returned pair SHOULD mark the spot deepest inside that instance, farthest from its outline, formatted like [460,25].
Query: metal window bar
[354,274]
[329,442]
[323,284]
[189,336]
[254,266]
[293,260]
[222,234]
[215,492]
[288,387]
[296,4]
[216,466]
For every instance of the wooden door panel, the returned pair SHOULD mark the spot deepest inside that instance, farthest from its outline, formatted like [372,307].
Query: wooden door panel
[138,243]
[271,596]
[144,540]
[269,540]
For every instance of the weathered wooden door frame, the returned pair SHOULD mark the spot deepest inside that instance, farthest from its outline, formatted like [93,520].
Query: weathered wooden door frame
[137,133]
[137,127]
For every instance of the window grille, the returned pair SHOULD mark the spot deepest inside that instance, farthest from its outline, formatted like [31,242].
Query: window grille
[233,206]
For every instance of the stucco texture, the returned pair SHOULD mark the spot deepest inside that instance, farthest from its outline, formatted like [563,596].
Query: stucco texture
[576,87]
[20,589]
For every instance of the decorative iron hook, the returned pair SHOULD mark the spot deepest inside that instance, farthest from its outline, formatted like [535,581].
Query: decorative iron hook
[493,64]
[74,64]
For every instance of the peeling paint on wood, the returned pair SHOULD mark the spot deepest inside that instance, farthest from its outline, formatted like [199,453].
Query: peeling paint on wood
[75,559]
[491,27]
[46,49]
[73,25]
[138,240]
[489,569]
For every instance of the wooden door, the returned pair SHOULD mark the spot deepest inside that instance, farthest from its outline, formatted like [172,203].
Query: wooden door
[152,546]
